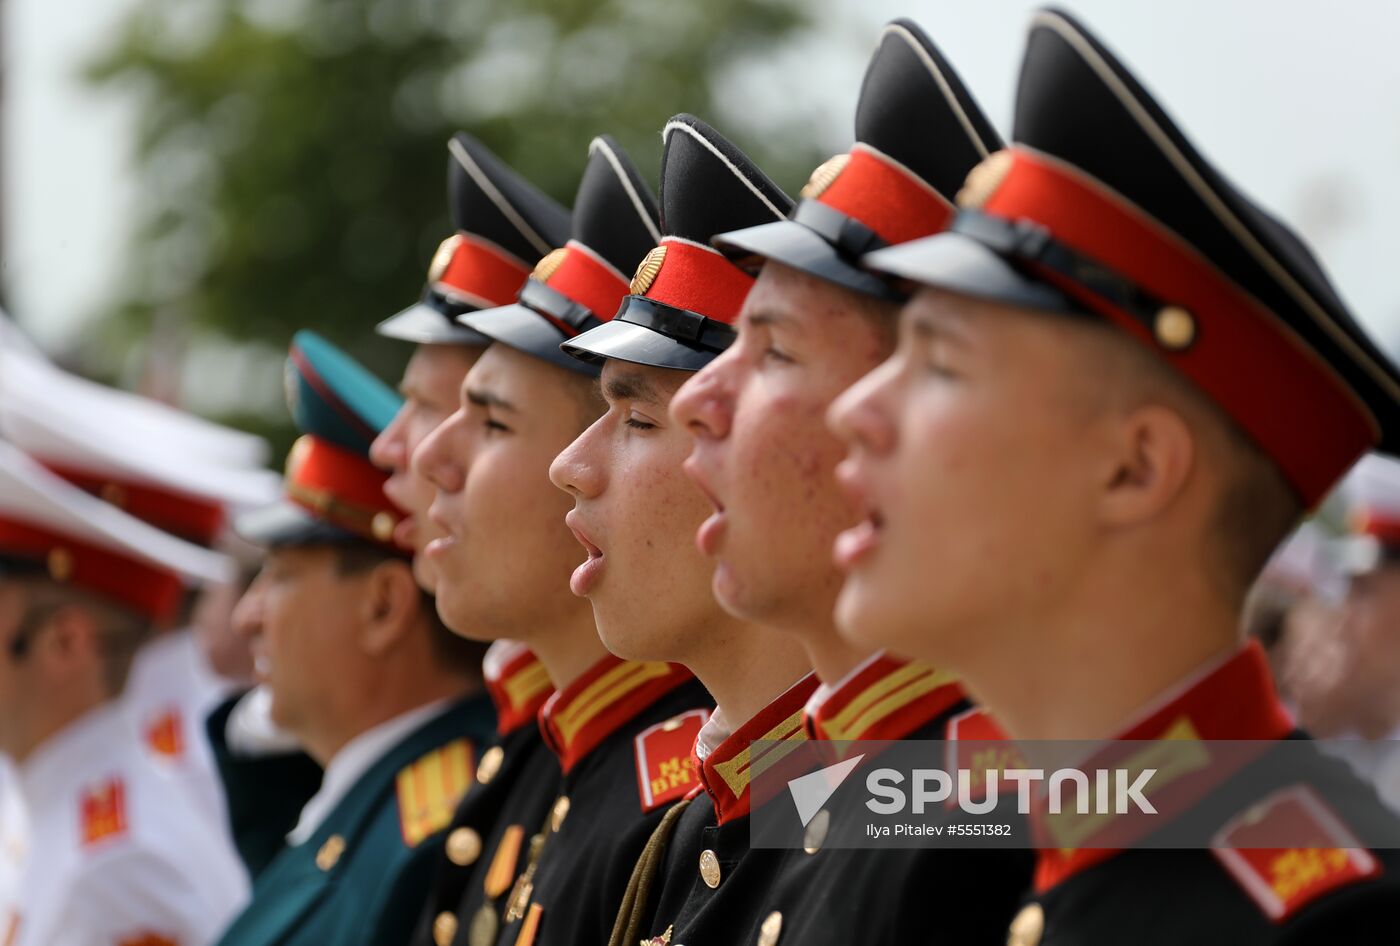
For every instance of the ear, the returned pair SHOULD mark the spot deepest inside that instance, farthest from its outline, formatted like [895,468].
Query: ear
[391,607]
[1155,451]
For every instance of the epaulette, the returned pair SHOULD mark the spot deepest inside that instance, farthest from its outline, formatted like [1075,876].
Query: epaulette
[164,735]
[666,770]
[102,812]
[429,789]
[1281,881]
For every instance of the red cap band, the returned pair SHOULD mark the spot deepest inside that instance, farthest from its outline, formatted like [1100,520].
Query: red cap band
[196,520]
[341,487]
[589,282]
[145,588]
[1285,397]
[887,198]
[481,271]
[700,280]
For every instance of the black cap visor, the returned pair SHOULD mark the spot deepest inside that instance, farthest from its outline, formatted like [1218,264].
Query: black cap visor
[796,245]
[646,332]
[524,329]
[960,264]
[431,322]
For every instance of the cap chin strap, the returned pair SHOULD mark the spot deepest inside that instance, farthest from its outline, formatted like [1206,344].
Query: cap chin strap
[683,325]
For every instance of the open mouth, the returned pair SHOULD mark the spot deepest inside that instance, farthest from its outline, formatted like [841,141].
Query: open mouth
[590,571]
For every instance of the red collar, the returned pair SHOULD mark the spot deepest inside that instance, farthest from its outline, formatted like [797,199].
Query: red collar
[518,686]
[607,696]
[1232,700]
[726,771]
[883,699]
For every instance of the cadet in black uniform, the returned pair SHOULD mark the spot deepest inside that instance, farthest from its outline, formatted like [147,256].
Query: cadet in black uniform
[501,221]
[752,411]
[1122,384]
[503,571]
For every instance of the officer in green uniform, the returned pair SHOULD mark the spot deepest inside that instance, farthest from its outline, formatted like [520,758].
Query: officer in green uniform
[355,665]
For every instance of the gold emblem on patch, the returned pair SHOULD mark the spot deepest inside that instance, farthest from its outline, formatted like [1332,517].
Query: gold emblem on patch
[771,929]
[824,176]
[445,251]
[549,264]
[1174,327]
[60,564]
[984,179]
[1028,926]
[490,764]
[444,928]
[647,270]
[114,493]
[709,868]
[330,852]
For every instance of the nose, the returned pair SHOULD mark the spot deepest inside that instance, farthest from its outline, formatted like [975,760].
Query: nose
[247,618]
[576,470]
[861,415]
[389,451]
[440,457]
[704,405]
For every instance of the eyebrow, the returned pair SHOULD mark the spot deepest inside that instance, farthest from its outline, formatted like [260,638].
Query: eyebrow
[633,386]
[767,317]
[484,398]
[930,328]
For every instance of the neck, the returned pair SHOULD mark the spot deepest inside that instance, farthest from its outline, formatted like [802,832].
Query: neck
[830,655]
[376,705]
[567,650]
[746,666]
[1110,659]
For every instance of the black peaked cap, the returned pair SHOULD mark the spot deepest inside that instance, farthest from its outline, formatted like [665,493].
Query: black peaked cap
[709,186]
[488,198]
[915,108]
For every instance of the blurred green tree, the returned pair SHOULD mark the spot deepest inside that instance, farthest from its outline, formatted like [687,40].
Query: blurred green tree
[291,152]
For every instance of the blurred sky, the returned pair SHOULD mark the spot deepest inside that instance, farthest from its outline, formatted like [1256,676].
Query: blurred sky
[1297,100]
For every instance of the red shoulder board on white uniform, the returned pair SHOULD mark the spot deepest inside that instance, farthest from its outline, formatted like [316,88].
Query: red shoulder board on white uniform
[165,734]
[1284,880]
[102,812]
[665,766]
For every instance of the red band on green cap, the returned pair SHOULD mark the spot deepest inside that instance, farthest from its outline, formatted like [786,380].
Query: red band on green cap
[887,198]
[340,487]
[145,588]
[1245,358]
[700,280]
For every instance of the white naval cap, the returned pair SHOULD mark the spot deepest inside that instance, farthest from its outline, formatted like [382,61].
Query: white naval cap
[142,468]
[22,368]
[53,526]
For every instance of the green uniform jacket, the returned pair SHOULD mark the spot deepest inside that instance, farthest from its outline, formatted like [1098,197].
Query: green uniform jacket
[361,877]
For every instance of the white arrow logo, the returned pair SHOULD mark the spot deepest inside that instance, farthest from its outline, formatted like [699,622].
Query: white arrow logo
[810,792]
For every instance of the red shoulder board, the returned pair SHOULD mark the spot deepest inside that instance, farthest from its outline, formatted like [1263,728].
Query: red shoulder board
[164,735]
[428,789]
[102,812]
[1284,880]
[665,767]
